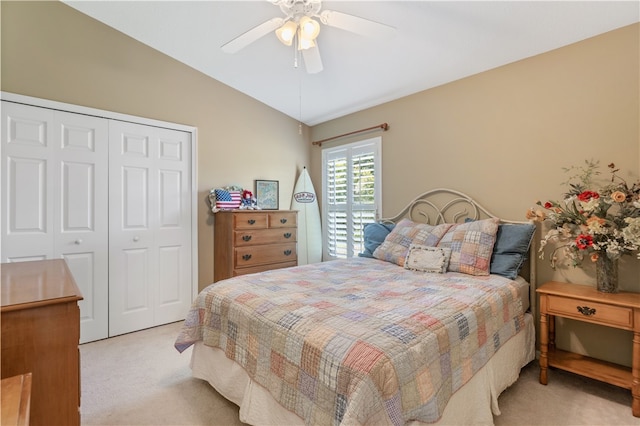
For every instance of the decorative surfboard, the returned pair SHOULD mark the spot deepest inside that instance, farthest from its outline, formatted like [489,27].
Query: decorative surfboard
[309,229]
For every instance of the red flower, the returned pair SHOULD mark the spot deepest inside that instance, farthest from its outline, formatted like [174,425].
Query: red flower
[588,195]
[584,241]
[548,205]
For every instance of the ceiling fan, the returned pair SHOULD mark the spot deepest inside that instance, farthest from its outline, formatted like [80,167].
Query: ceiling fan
[299,28]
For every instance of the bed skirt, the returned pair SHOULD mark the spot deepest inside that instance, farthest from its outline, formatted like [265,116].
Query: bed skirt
[474,404]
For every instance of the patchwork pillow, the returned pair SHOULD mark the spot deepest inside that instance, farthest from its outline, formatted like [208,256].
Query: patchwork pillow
[427,259]
[396,245]
[471,246]
[511,248]
[374,235]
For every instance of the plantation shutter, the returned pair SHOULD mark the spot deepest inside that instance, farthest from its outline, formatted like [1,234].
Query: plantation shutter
[351,192]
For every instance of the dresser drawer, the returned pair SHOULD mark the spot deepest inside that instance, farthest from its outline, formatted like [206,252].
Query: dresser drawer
[262,268]
[260,255]
[264,236]
[615,316]
[250,220]
[283,220]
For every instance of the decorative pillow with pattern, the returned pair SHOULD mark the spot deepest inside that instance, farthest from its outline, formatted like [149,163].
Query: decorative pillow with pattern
[396,245]
[427,259]
[471,246]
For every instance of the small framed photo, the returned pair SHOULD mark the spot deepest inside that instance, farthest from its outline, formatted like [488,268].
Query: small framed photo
[267,194]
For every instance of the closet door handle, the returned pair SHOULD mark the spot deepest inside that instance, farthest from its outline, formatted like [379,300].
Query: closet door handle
[78,241]
[136,239]
[287,234]
[246,256]
[246,238]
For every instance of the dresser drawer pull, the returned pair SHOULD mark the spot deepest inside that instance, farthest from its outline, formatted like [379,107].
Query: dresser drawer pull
[251,221]
[246,256]
[586,311]
[283,220]
[246,238]
[287,234]
[287,252]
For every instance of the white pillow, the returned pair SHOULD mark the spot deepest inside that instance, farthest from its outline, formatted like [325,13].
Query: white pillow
[427,258]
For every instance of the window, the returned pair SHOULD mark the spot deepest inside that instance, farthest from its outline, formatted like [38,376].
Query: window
[351,195]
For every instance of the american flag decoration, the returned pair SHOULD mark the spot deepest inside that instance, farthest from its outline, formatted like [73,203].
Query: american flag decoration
[226,200]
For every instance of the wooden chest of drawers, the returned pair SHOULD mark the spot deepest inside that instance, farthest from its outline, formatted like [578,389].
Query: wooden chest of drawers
[40,335]
[248,241]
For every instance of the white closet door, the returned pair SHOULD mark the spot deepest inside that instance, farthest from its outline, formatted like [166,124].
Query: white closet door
[27,183]
[81,214]
[54,196]
[149,226]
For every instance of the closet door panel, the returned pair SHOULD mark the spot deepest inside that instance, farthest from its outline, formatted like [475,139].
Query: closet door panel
[133,267]
[81,214]
[27,168]
[173,236]
[151,167]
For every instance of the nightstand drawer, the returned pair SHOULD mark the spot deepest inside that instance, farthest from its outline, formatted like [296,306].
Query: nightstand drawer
[615,316]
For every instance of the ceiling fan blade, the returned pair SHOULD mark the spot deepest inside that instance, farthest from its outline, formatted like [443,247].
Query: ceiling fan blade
[252,35]
[312,59]
[355,24]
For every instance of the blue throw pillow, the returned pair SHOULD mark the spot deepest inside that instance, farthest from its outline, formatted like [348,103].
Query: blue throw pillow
[374,235]
[511,249]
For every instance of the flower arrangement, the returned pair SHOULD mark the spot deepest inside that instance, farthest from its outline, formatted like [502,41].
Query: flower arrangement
[592,221]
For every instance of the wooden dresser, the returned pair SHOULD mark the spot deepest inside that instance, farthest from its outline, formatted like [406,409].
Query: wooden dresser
[40,335]
[248,241]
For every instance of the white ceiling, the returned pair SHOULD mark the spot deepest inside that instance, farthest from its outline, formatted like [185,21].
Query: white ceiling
[436,42]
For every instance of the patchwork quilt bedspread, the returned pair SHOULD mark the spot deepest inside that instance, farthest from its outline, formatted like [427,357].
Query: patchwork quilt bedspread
[357,341]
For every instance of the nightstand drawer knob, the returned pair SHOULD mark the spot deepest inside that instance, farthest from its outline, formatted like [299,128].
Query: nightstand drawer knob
[287,252]
[283,220]
[246,238]
[251,221]
[586,311]
[246,256]
[287,234]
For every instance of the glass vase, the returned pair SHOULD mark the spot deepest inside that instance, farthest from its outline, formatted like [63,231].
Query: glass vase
[607,274]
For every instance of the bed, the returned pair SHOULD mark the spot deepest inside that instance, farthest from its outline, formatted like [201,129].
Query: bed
[428,326]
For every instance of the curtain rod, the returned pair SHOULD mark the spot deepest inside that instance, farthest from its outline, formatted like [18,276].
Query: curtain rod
[383,126]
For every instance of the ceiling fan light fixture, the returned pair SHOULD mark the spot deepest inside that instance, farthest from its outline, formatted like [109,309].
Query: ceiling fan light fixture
[287,32]
[309,28]
[305,43]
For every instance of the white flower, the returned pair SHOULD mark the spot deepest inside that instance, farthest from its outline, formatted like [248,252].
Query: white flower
[590,205]
[631,232]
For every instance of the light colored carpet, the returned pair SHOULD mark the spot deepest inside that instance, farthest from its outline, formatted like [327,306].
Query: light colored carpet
[140,379]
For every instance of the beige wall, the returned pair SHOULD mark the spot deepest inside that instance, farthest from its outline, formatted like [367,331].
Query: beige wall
[51,51]
[503,136]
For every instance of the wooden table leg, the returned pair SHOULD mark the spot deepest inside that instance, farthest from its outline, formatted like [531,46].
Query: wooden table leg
[544,347]
[635,366]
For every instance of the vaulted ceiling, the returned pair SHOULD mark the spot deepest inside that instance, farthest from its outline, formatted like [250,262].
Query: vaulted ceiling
[435,42]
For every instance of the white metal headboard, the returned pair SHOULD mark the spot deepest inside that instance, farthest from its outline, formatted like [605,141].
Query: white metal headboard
[444,205]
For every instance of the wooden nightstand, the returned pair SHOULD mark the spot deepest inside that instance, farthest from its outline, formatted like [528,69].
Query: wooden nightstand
[585,303]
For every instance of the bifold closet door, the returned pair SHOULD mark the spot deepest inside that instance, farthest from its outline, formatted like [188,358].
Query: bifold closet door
[55,198]
[149,226]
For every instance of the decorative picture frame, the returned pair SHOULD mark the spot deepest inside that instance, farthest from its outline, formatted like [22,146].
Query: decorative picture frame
[267,194]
